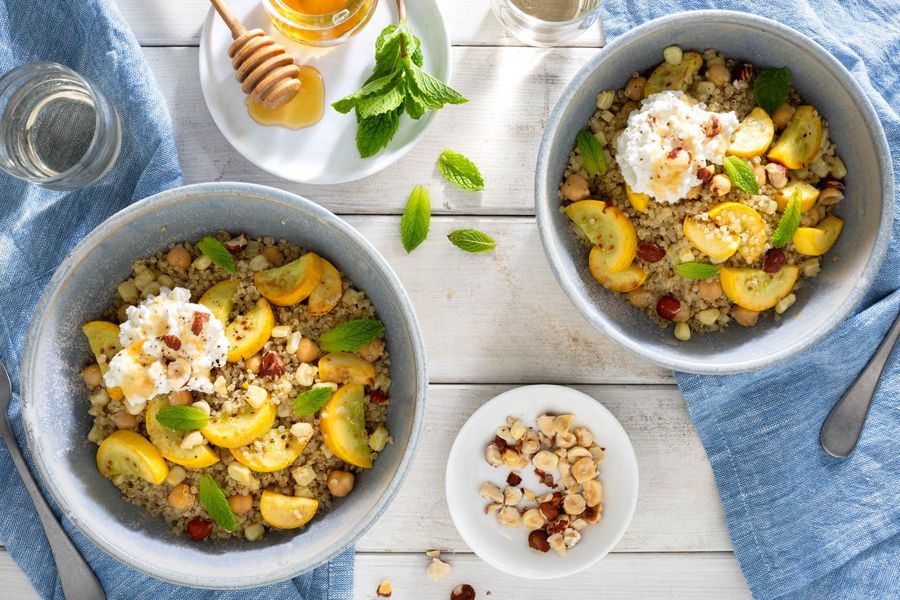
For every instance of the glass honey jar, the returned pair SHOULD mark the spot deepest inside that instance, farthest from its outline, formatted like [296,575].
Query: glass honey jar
[320,22]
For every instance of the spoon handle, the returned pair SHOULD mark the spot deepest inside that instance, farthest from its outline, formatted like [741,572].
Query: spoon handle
[844,424]
[76,577]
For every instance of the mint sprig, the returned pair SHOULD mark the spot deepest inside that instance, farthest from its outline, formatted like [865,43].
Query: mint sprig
[216,252]
[182,418]
[460,171]
[416,219]
[789,222]
[310,401]
[592,153]
[216,504]
[696,270]
[771,88]
[351,335]
[472,240]
[398,84]
[740,174]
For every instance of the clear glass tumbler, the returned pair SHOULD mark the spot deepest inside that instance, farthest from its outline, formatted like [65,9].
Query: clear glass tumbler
[57,129]
[546,22]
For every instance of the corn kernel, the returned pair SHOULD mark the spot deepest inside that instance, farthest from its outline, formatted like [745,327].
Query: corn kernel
[281,331]
[605,100]
[254,532]
[683,331]
[256,396]
[673,55]
[709,316]
[811,267]
[259,263]
[379,439]
[201,263]
[304,475]
[128,291]
[785,303]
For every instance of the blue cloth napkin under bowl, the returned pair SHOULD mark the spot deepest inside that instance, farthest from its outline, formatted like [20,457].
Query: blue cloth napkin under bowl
[804,524]
[38,228]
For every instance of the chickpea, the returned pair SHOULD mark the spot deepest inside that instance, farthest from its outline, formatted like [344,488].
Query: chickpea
[634,89]
[240,503]
[720,185]
[274,255]
[683,314]
[783,115]
[308,350]
[124,420]
[640,297]
[372,351]
[92,376]
[575,188]
[181,398]
[340,483]
[719,75]
[253,363]
[181,498]
[710,290]
[179,257]
[745,317]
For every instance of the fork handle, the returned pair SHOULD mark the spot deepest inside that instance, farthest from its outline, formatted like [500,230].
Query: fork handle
[844,424]
[76,577]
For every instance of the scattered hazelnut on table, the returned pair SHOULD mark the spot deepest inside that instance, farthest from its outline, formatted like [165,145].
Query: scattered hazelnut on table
[385,589]
[463,592]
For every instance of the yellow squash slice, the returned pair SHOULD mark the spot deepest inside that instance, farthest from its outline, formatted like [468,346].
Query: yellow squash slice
[219,299]
[342,422]
[249,332]
[808,195]
[754,134]
[754,289]
[343,367]
[639,202]
[710,239]
[229,431]
[286,512]
[328,293]
[103,338]
[799,143]
[168,442]
[740,219]
[608,228]
[289,284]
[674,77]
[816,241]
[621,281]
[128,453]
[277,449]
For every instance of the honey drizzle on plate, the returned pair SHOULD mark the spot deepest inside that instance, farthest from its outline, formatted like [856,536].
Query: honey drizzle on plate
[304,110]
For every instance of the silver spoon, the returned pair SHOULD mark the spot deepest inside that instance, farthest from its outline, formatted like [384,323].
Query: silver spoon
[77,579]
[844,424]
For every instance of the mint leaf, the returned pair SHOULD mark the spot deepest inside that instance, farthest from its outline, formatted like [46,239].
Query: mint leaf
[411,104]
[416,219]
[460,171]
[348,103]
[310,401]
[771,88]
[213,248]
[182,418]
[472,240]
[387,99]
[351,335]
[696,270]
[431,91]
[374,133]
[216,504]
[789,221]
[591,151]
[740,174]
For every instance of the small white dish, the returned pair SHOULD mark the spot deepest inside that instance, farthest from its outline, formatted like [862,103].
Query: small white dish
[506,548]
[326,152]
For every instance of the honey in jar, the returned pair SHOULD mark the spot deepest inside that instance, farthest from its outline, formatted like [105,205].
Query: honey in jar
[320,22]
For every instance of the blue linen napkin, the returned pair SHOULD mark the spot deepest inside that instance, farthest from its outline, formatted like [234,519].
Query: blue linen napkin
[804,524]
[38,228]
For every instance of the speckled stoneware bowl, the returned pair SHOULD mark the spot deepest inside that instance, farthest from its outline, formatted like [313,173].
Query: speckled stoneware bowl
[55,399]
[867,211]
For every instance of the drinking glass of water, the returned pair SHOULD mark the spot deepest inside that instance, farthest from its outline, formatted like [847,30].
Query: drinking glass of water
[546,22]
[57,129]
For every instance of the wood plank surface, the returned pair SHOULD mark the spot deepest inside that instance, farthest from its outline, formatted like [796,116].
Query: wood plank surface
[468,23]
[511,92]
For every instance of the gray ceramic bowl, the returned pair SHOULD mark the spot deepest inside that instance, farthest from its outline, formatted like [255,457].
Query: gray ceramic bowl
[867,211]
[55,404]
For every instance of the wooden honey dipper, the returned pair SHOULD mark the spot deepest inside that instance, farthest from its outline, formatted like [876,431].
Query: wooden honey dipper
[264,69]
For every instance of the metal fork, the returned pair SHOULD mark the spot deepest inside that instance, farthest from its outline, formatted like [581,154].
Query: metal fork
[77,579]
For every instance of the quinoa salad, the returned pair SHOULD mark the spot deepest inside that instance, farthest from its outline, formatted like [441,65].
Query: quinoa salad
[238,385]
[705,191]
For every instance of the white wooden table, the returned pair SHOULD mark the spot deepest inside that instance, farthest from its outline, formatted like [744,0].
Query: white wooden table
[491,322]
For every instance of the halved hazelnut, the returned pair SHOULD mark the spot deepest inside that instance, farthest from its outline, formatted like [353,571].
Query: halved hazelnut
[584,436]
[556,542]
[545,423]
[438,569]
[562,423]
[592,490]
[236,244]
[537,540]
[463,592]
[512,496]
[511,458]
[533,519]
[509,516]
[545,460]
[574,504]
[584,469]
[565,439]
[491,492]
[492,455]
[385,589]
[178,373]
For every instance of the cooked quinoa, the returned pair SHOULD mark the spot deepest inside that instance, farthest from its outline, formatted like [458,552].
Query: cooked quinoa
[722,84]
[308,475]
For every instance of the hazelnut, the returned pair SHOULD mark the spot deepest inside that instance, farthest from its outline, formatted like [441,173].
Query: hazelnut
[178,373]
[438,569]
[777,175]
[533,519]
[545,424]
[511,458]
[492,455]
[745,72]
[506,435]
[577,452]
[599,453]
[491,492]
[592,514]
[236,244]
[545,460]
[463,592]
[571,537]
[562,423]
[512,496]
[517,430]
[385,589]
[705,174]
[720,184]
[492,507]
[584,436]
[556,542]
[270,366]
[509,516]
[592,491]
[531,443]
[549,511]
[565,440]
[574,504]
[584,469]
[537,539]
[513,479]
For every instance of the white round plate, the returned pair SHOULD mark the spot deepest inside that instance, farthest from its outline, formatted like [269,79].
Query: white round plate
[326,152]
[506,548]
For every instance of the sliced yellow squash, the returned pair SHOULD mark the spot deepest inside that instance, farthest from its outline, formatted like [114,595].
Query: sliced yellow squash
[289,284]
[742,221]
[328,293]
[754,289]
[249,332]
[710,239]
[103,338]
[343,367]
[275,450]
[816,241]
[219,299]
[128,453]
[639,202]
[674,77]
[342,422]
[286,512]
[621,281]
[168,442]
[808,195]
[608,228]
[229,431]
[799,143]
[753,135]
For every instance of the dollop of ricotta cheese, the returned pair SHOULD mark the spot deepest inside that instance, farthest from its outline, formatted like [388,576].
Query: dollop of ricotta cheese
[667,141]
[168,344]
